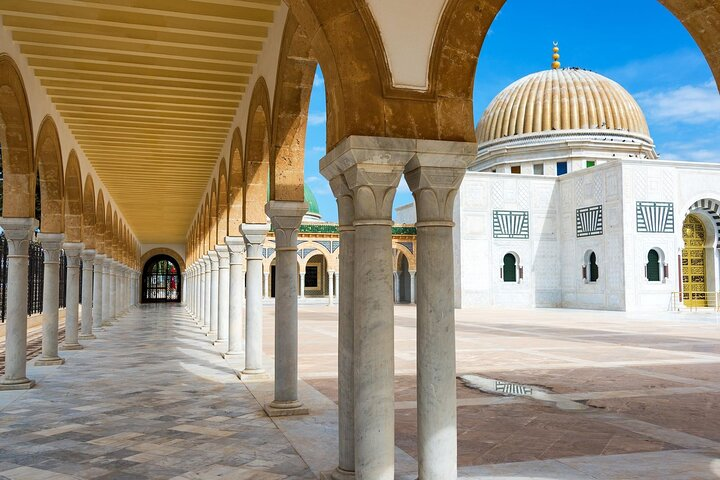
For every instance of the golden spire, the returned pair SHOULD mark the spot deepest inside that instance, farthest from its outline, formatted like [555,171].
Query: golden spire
[556,56]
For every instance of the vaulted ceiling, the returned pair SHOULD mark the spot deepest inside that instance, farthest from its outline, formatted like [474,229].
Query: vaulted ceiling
[149,89]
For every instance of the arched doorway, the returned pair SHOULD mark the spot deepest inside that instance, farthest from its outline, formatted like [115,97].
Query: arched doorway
[161,280]
[693,263]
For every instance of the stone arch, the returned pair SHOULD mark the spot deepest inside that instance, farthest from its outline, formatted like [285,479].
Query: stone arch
[108,240]
[49,164]
[212,216]
[222,204]
[99,222]
[295,76]
[115,235]
[89,218]
[257,154]
[236,182]
[711,208]
[330,259]
[16,142]
[163,251]
[73,200]
[405,251]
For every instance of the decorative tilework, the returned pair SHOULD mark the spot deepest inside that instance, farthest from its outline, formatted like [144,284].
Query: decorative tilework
[655,217]
[511,224]
[589,221]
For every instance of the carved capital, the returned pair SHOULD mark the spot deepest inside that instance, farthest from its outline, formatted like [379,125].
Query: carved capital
[51,244]
[254,234]
[99,262]
[236,245]
[286,217]
[223,253]
[344,198]
[72,253]
[214,260]
[18,232]
[88,258]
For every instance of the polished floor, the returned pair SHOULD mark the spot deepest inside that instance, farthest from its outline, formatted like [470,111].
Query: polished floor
[624,397]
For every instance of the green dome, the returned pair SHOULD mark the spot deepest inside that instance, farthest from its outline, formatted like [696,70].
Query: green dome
[310,199]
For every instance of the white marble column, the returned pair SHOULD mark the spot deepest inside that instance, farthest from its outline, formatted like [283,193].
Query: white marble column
[190,289]
[214,279]
[207,294]
[51,244]
[72,298]
[302,284]
[98,278]
[331,286]
[236,310]
[372,167]
[412,286]
[183,288]
[266,284]
[18,232]
[286,217]
[434,175]
[107,294]
[346,396]
[223,292]
[254,237]
[118,290]
[337,282]
[396,287]
[201,292]
[88,304]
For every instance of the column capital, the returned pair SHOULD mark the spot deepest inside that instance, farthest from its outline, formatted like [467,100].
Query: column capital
[88,256]
[213,256]
[206,261]
[254,233]
[286,217]
[72,253]
[434,175]
[99,259]
[344,199]
[223,253]
[18,232]
[51,244]
[235,244]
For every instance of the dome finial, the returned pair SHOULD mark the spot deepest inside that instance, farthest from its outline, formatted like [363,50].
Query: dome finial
[556,56]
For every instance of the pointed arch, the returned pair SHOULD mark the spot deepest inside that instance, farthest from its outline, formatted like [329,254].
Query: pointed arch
[49,164]
[89,217]
[222,204]
[236,181]
[257,154]
[212,216]
[99,222]
[73,200]
[16,143]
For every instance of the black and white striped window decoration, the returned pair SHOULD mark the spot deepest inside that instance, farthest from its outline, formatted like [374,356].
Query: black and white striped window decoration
[655,217]
[712,208]
[589,221]
[510,224]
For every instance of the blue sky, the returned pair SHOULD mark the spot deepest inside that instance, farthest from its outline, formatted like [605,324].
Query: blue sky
[637,43]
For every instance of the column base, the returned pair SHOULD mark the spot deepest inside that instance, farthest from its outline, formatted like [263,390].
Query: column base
[252,375]
[220,342]
[71,346]
[89,336]
[285,409]
[45,362]
[337,474]
[106,323]
[22,384]
[233,355]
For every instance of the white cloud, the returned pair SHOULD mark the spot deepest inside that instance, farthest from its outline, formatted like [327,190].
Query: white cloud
[316,118]
[691,104]
[656,67]
[319,81]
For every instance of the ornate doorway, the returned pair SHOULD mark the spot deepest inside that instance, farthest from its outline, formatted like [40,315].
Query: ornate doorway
[161,280]
[693,263]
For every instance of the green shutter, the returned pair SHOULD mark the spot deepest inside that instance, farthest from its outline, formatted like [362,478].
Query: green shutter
[594,274]
[509,268]
[653,266]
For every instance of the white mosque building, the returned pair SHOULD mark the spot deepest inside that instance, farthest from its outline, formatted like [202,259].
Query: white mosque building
[568,205]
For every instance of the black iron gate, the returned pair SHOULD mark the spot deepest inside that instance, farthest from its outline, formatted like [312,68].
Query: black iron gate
[161,280]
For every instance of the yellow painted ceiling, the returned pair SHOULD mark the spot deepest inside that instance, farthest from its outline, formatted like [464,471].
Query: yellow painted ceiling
[149,89]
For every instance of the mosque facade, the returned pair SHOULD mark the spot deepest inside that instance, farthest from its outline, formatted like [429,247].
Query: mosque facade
[568,205]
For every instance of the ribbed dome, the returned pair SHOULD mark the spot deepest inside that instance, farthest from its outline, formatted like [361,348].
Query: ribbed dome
[561,99]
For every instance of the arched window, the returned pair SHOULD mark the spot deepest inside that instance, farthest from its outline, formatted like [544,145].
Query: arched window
[161,280]
[653,266]
[509,269]
[594,274]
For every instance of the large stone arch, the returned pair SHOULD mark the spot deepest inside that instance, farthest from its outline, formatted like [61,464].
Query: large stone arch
[163,251]
[257,154]
[236,181]
[16,142]
[108,239]
[115,235]
[73,200]
[317,248]
[89,217]
[222,203]
[295,76]
[49,163]
[206,225]
[100,222]
[212,216]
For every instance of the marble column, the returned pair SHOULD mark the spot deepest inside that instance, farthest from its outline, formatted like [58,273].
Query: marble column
[51,244]
[207,294]
[266,285]
[72,298]
[254,237]
[412,286]
[372,168]
[396,287]
[434,175]
[107,294]
[302,284]
[331,286]
[236,307]
[214,279]
[223,292]
[88,304]
[286,217]
[98,278]
[119,304]
[183,288]
[201,292]
[18,232]
[191,289]
[337,282]
[346,396]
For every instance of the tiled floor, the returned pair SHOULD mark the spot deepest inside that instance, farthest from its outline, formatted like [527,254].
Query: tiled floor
[152,398]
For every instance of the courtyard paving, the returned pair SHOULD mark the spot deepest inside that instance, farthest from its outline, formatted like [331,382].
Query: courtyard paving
[152,398]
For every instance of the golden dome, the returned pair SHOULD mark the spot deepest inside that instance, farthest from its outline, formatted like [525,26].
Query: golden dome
[561,99]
